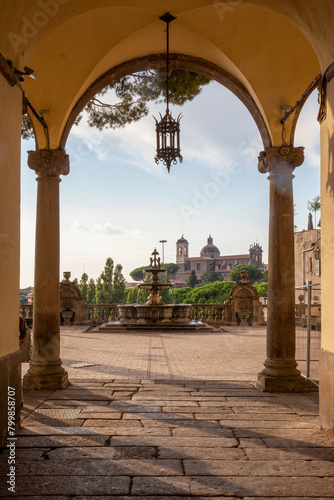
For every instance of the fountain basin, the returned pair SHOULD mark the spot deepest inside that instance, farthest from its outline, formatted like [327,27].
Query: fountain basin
[153,318]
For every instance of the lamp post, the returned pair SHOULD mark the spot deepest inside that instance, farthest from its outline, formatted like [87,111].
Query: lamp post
[163,250]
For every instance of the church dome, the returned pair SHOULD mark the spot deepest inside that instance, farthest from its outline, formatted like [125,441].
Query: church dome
[182,240]
[210,250]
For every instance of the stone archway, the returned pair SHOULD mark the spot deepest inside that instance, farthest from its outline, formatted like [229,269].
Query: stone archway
[179,61]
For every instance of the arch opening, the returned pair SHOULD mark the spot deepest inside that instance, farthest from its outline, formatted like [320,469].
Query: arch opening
[177,61]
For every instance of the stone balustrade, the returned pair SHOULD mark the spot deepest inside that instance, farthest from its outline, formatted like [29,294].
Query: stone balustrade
[101,313]
[26,310]
[213,314]
[96,314]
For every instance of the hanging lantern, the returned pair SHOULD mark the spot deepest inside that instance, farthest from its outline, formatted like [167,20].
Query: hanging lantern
[168,128]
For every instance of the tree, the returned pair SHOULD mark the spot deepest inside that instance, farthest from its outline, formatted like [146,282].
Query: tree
[109,287]
[99,291]
[133,93]
[119,284]
[165,294]
[91,298]
[136,296]
[83,287]
[314,206]
[212,293]
[24,292]
[210,276]
[262,289]
[254,273]
[107,290]
[192,280]
[138,273]
[180,294]
[171,269]
[264,278]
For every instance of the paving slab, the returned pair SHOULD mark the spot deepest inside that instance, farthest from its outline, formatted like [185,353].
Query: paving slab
[55,441]
[72,403]
[152,497]
[148,416]
[174,442]
[264,486]
[258,468]
[56,466]
[60,485]
[266,424]
[310,453]
[300,403]
[202,453]
[107,453]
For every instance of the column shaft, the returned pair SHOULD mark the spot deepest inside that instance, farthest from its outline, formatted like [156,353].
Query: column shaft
[45,371]
[280,372]
[281,280]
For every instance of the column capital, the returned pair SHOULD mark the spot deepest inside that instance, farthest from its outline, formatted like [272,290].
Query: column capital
[280,157]
[49,162]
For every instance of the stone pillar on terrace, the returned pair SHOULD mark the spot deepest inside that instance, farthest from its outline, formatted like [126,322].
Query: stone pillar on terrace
[45,370]
[280,373]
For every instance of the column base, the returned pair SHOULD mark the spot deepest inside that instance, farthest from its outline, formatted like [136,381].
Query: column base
[281,375]
[45,381]
[268,383]
[326,390]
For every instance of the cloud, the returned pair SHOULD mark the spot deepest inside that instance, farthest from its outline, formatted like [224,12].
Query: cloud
[212,135]
[105,228]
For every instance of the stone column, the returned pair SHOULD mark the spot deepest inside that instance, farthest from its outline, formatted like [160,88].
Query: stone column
[280,373]
[45,370]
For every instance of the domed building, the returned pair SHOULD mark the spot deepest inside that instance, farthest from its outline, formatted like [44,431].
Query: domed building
[223,263]
[210,250]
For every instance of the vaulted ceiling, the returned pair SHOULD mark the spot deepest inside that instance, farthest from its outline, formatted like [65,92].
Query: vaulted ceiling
[269,51]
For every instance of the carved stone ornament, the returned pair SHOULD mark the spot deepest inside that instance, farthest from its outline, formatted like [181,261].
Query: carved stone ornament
[49,162]
[280,156]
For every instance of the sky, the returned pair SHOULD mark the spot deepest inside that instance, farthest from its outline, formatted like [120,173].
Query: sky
[116,202]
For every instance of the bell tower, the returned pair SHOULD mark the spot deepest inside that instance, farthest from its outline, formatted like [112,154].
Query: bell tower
[182,254]
[255,255]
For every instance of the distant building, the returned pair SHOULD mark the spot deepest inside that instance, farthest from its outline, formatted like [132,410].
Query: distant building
[307,267]
[223,263]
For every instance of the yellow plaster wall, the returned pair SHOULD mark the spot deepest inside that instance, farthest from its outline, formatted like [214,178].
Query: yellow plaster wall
[327,224]
[10,129]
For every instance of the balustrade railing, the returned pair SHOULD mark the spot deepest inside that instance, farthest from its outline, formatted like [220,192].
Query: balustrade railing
[26,310]
[208,313]
[213,314]
[101,313]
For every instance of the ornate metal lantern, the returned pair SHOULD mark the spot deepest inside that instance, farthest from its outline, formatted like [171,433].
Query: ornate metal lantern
[168,128]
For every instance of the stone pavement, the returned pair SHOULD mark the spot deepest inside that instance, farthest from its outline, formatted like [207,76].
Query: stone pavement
[237,354]
[108,436]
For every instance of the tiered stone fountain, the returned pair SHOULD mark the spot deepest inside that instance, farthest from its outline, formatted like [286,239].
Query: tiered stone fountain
[154,315]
